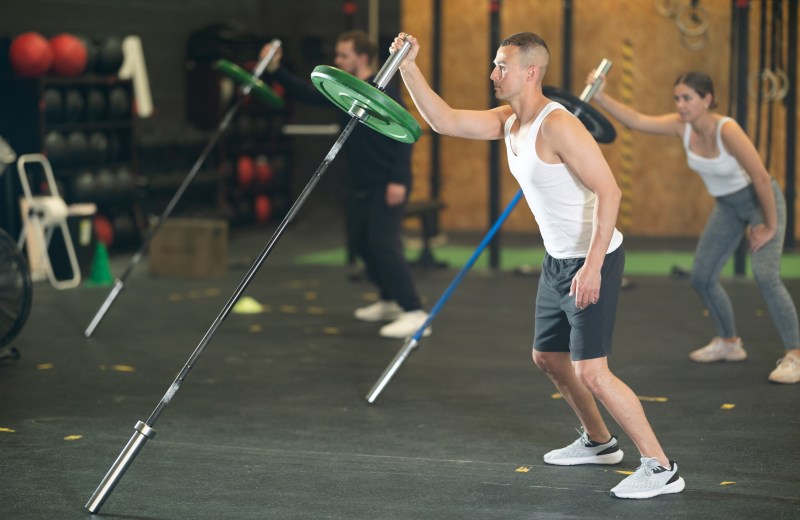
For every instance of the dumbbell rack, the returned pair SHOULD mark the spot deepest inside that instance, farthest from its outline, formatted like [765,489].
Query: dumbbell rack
[32,124]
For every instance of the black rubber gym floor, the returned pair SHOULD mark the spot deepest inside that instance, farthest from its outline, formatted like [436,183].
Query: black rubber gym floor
[272,421]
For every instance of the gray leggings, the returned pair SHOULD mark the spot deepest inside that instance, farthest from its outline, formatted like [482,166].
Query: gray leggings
[732,213]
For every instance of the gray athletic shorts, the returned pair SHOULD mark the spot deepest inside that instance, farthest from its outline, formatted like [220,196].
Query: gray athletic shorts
[559,325]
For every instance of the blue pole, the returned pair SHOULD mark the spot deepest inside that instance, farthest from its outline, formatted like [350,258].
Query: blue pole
[413,341]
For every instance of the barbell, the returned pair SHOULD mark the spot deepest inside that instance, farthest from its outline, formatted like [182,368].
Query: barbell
[365,106]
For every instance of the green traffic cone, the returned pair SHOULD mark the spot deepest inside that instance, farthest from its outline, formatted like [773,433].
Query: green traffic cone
[100,272]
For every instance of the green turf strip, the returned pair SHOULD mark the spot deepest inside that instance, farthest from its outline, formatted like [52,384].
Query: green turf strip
[657,263]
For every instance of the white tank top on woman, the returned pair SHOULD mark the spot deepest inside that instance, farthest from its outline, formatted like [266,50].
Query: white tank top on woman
[562,206]
[722,174]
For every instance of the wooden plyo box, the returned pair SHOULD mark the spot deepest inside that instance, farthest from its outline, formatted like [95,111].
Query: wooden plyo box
[190,248]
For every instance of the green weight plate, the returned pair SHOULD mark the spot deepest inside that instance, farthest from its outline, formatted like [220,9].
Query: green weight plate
[258,88]
[385,115]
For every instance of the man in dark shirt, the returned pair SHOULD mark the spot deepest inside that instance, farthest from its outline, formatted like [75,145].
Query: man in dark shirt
[378,183]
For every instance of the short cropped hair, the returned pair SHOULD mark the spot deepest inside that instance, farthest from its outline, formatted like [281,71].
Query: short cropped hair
[362,44]
[530,45]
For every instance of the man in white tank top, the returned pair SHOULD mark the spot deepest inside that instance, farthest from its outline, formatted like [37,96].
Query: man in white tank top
[575,200]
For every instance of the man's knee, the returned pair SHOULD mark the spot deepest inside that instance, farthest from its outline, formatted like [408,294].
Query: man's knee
[551,363]
[592,374]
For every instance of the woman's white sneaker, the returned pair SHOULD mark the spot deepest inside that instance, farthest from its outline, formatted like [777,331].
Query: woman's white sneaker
[787,371]
[719,350]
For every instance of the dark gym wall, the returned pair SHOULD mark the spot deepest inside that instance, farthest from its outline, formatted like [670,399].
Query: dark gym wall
[308,29]
[666,199]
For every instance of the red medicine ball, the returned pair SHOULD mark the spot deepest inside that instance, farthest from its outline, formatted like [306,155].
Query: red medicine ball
[245,170]
[69,55]
[30,55]
[263,209]
[263,170]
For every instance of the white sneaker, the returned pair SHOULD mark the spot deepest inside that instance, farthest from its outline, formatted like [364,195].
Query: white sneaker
[407,324]
[787,371]
[381,310]
[718,350]
[650,480]
[584,451]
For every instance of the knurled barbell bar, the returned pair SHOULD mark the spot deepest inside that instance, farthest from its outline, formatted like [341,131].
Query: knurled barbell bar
[366,104]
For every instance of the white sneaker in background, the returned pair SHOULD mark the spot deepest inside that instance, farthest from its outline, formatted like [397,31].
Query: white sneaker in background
[787,371]
[719,350]
[381,310]
[406,325]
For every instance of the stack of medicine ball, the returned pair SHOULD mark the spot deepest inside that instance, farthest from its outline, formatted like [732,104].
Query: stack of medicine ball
[32,55]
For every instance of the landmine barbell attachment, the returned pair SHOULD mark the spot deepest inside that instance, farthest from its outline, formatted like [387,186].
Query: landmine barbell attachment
[250,83]
[598,126]
[143,431]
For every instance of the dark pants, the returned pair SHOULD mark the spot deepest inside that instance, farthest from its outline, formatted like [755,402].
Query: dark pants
[374,235]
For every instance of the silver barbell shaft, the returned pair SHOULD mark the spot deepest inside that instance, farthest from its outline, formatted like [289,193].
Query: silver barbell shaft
[119,284]
[145,431]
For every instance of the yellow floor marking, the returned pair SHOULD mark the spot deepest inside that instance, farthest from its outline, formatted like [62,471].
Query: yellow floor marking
[330,330]
[7,430]
[73,437]
[557,395]
[45,366]
[256,328]
[726,483]
[728,406]
[315,310]
[123,368]
[522,469]
[296,284]
[370,296]
[174,297]
[310,295]
[213,291]
[759,312]
[195,294]
[288,309]
[706,313]
[621,472]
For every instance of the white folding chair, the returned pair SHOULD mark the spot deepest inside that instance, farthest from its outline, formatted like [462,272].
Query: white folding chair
[43,214]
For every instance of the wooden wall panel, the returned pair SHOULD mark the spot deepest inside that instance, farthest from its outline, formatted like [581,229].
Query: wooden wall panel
[465,84]
[417,19]
[667,199]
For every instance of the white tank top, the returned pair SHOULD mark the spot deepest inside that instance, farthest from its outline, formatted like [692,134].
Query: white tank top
[722,174]
[562,206]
